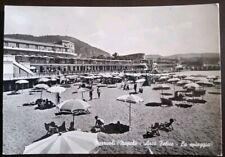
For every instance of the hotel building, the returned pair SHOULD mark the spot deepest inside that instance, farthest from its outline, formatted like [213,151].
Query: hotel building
[25,59]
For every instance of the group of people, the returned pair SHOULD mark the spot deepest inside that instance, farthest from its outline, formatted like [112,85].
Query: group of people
[154,129]
[41,104]
[98,93]
[52,128]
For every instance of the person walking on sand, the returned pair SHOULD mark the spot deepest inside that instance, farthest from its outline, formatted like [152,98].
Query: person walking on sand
[57,98]
[98,92]
[135,87]
[91,94]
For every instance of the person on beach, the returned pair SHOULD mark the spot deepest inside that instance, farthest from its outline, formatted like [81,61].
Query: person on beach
[135,87]
[91,94]
[71,128]
[98,92]
[58,98]
[99,123]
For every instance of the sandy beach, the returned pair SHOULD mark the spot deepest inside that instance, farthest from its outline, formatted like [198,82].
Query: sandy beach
[199,124]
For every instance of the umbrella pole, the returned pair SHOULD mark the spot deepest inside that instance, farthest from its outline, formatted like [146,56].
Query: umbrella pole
[130,115]
[73,117]
[41,94]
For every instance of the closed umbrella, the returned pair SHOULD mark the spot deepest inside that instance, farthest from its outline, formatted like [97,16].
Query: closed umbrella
[71,142]
[131,99]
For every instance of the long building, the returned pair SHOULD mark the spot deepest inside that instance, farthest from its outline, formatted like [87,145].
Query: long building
[31,59]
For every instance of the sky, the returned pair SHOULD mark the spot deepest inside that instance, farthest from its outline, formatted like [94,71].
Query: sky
[164,30]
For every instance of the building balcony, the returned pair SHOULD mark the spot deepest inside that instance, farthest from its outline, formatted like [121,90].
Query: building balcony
[38,50]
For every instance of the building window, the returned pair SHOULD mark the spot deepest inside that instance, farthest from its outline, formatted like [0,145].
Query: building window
[10,44]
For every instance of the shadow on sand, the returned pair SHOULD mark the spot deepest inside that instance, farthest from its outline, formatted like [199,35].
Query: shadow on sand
[43,137]
[153,104]
[112,129]
[13,93]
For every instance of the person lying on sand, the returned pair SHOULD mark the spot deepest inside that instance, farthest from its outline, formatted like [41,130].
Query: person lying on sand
[152,131]
[167,125]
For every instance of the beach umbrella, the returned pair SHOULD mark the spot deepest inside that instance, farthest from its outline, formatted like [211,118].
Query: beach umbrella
[163,78]
[189,78]
[43,79]
[22,82]
[117,77]
[173,80]
[211,77]
[195,79]
[131,99]
[41,86]
[191,86]
[74,104]
[218,81]
[205,83]
[54,78]
[161,87]
[71,142]
[183,82]
[121,74]
[140,80]
[89,77]
[56,89]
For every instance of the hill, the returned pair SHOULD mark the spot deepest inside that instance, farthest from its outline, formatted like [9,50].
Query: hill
[195,55]
[83,49]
